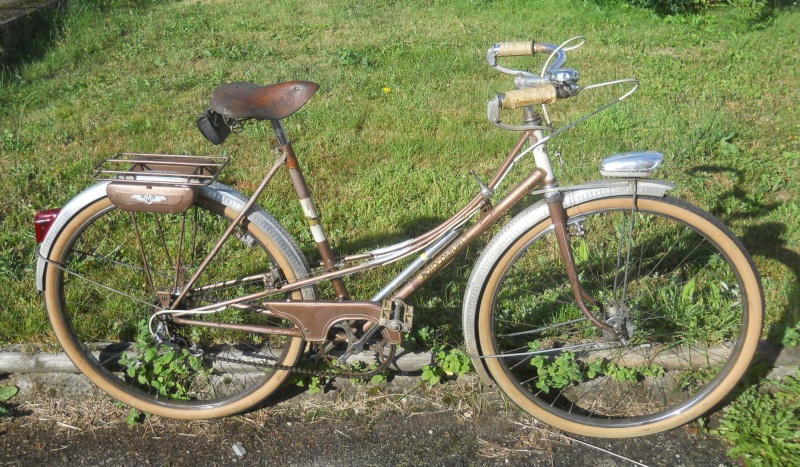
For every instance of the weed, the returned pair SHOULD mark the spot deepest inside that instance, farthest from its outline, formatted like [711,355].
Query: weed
[432,374]
[692,380]
[315,384]
[791,337]
[555,373]
[452,362]
[558,372]
[134,417]
[171,372]
[6,393]
[379,378]
[763,424]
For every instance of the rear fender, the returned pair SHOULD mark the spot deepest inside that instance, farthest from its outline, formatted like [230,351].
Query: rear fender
[94,193]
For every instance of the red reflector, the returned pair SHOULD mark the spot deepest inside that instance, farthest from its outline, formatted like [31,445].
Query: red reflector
[43,221]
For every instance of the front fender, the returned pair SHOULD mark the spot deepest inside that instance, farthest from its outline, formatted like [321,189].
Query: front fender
[607,188]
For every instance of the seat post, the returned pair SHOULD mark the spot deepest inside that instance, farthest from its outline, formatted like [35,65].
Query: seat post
[309,209]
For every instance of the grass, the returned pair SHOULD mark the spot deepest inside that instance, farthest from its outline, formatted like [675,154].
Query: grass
[389,140]
[386,165]
[762,424]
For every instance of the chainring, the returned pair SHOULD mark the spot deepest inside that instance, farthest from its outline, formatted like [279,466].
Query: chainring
[383,355]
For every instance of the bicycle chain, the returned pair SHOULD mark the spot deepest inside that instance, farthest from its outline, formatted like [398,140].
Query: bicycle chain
[308,371]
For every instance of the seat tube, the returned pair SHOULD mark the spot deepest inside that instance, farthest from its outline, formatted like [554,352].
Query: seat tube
[309,209]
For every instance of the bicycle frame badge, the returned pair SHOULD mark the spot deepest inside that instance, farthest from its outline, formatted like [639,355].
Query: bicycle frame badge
[157,183]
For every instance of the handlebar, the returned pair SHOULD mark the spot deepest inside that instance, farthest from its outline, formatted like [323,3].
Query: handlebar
[521,49]
[554,83]
[543,94]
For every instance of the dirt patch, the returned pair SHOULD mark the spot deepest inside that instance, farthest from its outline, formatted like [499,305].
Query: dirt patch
[401,423]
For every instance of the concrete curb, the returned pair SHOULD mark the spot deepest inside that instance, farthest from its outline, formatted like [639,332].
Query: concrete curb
[54,375]
[774,355]
[20,362]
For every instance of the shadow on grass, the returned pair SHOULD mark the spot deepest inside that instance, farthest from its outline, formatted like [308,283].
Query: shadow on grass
[438,302]
[754,14]
[27,38]
[765,239]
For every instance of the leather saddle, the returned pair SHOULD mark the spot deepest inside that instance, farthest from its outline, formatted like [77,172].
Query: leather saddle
[244,100]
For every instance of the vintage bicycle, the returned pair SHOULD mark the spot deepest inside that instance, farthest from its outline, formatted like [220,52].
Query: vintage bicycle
[608,308]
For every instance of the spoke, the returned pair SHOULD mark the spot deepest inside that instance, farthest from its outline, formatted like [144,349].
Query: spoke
[105,287]
[145,267]
[105,257]
[683,260]
[542,329]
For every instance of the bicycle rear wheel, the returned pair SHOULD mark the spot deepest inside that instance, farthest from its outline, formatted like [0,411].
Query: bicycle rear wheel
[674,282]
[110,272]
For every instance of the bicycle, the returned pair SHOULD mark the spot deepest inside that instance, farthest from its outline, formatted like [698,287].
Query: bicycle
[608,309]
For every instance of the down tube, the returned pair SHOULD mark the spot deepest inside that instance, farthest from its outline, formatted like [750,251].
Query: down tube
[472,233]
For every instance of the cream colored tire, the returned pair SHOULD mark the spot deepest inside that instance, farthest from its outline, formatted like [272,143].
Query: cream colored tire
[97,294]
[691,317]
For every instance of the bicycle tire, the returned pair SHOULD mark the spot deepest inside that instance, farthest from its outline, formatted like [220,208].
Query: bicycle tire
[102,293]
[692,317]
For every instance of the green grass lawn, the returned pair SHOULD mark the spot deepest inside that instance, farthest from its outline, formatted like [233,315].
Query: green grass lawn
[399,121]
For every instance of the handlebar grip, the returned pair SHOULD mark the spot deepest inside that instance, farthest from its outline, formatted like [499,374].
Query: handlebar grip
[543,94]
[514,49]
[520,48]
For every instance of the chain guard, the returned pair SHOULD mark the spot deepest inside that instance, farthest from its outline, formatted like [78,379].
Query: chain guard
[383,351]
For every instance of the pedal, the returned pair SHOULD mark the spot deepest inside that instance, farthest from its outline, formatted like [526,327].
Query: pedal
[396,315]
[408,317]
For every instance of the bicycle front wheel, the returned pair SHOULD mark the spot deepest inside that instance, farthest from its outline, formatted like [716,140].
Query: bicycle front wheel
[679,289]
[110,272]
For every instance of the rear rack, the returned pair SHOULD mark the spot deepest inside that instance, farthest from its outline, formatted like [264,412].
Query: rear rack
[161,169]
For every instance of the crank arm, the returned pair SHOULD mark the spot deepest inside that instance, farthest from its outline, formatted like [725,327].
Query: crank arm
[358,346]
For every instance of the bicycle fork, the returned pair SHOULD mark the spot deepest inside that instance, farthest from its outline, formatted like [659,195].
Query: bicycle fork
[558,215]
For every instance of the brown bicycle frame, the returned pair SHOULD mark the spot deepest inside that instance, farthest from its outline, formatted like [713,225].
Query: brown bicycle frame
[445,252]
